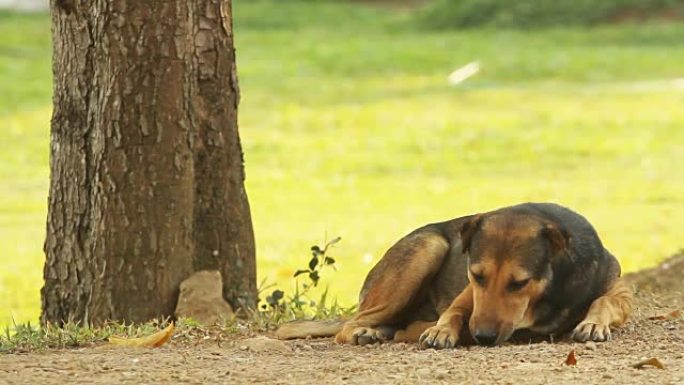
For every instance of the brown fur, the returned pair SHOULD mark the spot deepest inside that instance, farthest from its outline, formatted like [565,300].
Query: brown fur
[497,273]
[609,310]
[426,251]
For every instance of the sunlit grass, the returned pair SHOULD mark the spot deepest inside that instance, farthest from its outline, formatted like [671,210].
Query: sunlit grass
[350,129]
[24,176]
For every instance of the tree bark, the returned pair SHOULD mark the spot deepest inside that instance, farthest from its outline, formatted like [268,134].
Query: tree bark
[147,177]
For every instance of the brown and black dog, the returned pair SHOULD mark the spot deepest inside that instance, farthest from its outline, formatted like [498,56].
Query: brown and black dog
[533,269]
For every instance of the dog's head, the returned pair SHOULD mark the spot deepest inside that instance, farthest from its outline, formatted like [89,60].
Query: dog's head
[509,267]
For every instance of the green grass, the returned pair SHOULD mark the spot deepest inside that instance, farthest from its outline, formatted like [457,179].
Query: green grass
[25,337]
[540,13]
[349,128]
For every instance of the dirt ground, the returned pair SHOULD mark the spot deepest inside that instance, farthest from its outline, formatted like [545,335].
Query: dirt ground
[242,358]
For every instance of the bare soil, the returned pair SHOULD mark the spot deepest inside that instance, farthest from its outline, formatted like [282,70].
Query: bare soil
[244,358]
[395,3]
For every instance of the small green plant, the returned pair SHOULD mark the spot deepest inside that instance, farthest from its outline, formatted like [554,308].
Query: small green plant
[319,260]
[278,308]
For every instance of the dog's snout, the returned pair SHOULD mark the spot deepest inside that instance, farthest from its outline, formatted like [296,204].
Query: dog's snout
[486,337]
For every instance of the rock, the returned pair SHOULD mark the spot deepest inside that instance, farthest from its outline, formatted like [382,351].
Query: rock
[264,344]
[201,298]
[441,374]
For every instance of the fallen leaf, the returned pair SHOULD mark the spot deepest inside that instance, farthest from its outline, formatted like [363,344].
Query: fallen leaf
[571,360]
[667,317]
[152,341]
[649,362]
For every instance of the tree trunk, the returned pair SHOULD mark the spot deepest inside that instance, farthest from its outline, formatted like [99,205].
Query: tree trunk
[147,177]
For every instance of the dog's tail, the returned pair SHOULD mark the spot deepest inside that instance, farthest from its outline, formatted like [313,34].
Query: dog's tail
[304,329]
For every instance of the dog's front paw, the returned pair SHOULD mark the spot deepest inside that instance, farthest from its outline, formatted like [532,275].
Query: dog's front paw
[591,331]
[365,335]
[439,337]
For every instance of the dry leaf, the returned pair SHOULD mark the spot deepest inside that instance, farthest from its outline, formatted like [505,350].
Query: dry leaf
[152,341]
[650,362]
[667,317]
[571,360]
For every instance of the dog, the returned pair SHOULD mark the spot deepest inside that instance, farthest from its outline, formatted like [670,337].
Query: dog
[533,269]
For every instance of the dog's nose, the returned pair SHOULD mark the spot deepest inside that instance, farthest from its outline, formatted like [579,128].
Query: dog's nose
[486,337]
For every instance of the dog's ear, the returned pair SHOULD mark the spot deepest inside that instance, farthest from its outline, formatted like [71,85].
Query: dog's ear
[468,230]
[557,235]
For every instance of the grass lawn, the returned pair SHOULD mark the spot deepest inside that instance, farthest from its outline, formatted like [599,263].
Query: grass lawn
[349,128]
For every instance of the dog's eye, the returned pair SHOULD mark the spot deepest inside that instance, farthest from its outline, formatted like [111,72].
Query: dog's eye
[479,278]
[517,285]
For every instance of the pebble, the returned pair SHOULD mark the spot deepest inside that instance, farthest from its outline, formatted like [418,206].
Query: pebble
[265,344]
[441,374]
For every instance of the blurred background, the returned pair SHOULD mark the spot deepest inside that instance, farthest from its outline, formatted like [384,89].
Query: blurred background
[352,126]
